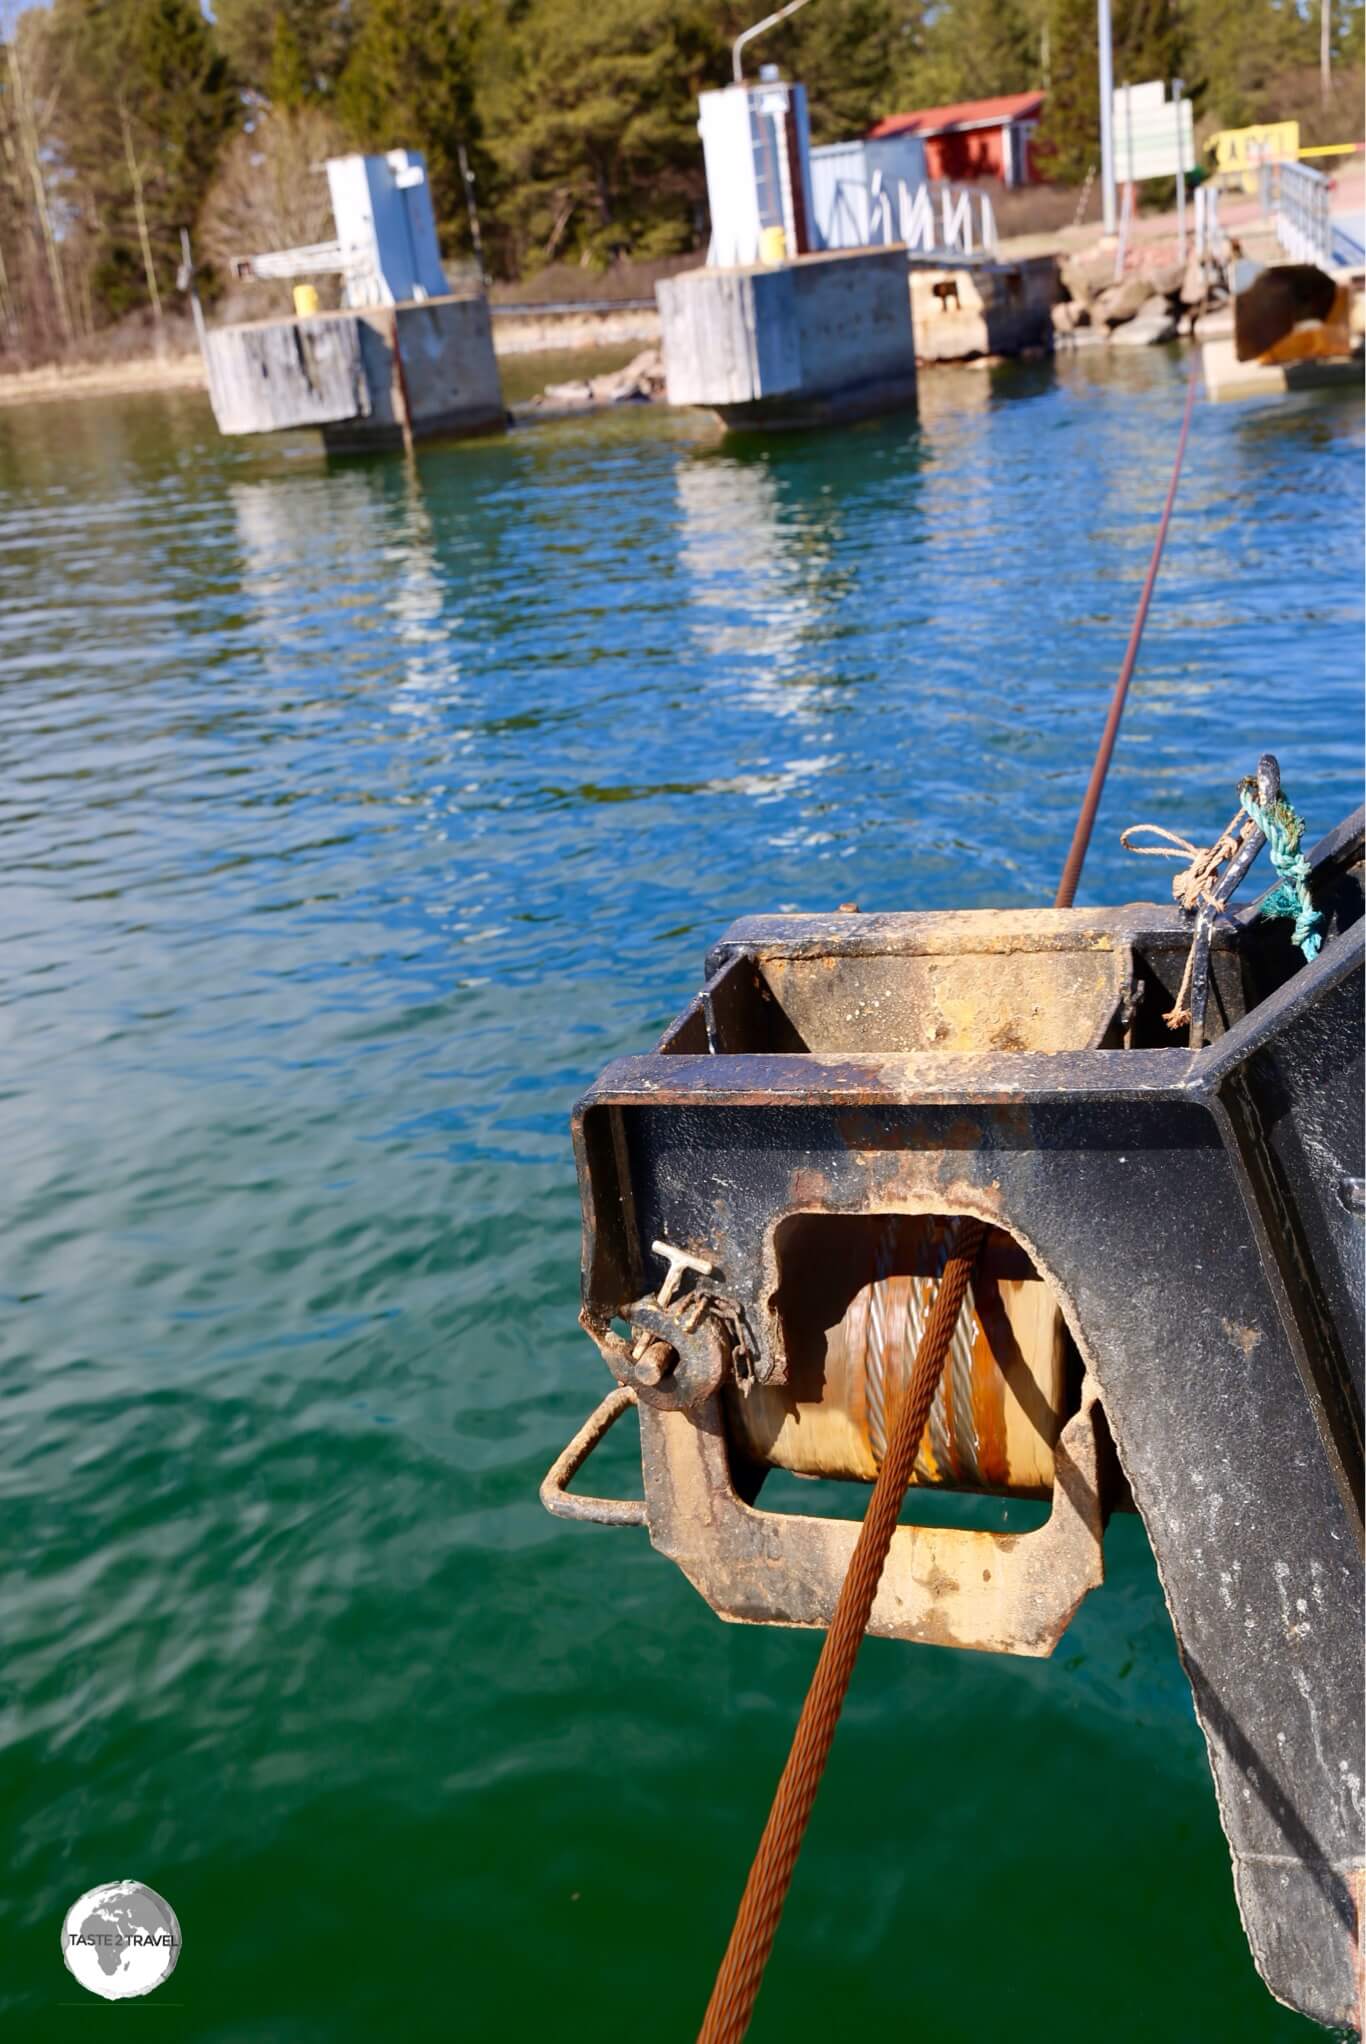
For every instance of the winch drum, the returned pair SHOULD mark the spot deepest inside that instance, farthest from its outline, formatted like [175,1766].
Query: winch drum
[853,1296]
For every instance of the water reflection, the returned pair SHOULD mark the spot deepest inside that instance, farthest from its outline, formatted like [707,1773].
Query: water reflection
[359,547]
[417,603]
[759,578]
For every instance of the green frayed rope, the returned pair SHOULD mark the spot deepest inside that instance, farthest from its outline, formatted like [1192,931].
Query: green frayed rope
[1283,829]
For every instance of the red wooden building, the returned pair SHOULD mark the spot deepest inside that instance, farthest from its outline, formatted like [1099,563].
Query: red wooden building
[979,138]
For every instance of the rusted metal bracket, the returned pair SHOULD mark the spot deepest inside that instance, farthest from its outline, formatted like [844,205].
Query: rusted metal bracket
[1012,1593]
[1005,1593]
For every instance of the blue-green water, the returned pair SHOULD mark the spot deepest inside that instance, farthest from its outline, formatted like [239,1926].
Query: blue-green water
[352,818]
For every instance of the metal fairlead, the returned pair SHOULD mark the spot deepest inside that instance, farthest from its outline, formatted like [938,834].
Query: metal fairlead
[1166,1315]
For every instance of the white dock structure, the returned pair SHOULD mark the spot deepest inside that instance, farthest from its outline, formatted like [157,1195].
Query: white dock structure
[775,331]
[402,359]
[810,341]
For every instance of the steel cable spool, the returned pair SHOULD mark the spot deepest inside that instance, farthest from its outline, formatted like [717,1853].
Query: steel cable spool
[1008,1385]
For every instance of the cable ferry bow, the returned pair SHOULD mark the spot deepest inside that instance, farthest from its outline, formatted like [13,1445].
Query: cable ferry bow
[1165,1312]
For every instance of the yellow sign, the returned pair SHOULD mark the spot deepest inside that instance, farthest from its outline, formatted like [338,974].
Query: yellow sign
[1239,151]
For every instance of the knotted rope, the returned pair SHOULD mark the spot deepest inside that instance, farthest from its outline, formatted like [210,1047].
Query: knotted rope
[1195,887]
[1198,885]
[1283,829]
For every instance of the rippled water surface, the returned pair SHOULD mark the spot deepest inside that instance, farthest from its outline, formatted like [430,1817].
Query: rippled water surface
[353,816]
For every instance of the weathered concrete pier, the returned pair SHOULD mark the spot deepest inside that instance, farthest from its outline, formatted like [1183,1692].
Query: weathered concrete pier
[776,332]
[381,376]
[981,305]
[805,342]
[403,359]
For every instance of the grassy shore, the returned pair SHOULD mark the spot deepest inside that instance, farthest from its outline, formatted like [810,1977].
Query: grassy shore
[102,379]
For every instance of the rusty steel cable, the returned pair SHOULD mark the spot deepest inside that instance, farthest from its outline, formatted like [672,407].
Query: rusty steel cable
[761,1906]
[1081,836]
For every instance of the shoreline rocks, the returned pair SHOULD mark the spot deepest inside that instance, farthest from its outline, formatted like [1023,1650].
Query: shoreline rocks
[1142,309]
[641,381]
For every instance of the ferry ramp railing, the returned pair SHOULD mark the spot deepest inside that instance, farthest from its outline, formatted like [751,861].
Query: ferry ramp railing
[934,218]
[955,219]
[1299,202]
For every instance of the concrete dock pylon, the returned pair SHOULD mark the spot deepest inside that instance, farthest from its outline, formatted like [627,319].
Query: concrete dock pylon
[368,376]
[810,341]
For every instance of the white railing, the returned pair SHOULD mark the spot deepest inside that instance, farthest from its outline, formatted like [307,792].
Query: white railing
[1211,242]
[850,223]
[319,259]
[1299,201]
[944,219]
[931,219]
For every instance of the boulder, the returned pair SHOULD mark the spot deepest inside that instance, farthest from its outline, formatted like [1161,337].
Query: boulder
[1214,325]
[639,382]
[1074,284]
[577,393]
[642,378]
[1084,278]
[1195,283]
[1166,280]
[1122,301]
[1147,330]
[1067,318]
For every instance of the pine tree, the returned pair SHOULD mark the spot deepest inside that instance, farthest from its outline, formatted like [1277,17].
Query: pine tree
[596,133]
[850,55]
[1067,144]
[300,46]
[973,49]
[142,100]
[290,83]
[1239,52]
[410,84]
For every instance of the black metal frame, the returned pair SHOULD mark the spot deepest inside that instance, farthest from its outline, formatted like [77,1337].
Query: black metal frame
[1197,1214]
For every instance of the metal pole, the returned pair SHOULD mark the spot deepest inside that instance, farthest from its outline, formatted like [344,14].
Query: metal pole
[471,207]
[185,280]
[1180,174]
[1107,116]
[1126,216]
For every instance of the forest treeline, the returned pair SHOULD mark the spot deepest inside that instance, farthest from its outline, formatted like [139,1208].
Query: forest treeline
[122,121]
